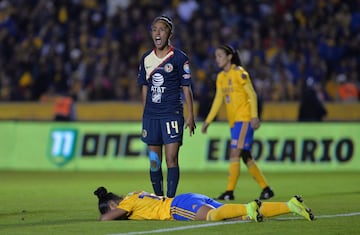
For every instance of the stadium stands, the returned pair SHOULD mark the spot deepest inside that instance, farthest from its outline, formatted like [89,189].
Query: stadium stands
[90,49]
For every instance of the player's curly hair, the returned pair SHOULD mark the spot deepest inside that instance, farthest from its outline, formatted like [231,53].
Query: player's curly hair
[104,197]
[229,50]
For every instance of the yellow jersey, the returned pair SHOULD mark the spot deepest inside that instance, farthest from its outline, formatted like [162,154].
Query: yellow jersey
[146,206]
[235,88]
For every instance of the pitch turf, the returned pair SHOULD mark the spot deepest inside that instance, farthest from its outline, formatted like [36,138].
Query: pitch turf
[63,203]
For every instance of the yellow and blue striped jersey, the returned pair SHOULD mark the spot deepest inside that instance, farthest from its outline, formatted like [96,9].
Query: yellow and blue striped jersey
[146,206]
[235,88]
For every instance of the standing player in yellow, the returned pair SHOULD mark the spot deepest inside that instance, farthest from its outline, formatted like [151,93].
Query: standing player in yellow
[190,206]
[233,85]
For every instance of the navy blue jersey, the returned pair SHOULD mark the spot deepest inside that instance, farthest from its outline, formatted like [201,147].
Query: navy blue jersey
[165,78]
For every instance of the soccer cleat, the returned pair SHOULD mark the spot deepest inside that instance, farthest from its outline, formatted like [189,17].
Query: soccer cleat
[267,193]
[296,205]
[253,211]
[227,196]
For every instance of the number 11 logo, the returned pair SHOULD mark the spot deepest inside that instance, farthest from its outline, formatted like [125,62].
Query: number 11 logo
[62,146]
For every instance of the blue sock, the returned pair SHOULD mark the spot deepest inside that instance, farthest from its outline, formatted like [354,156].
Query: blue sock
[156,178]
[172,181]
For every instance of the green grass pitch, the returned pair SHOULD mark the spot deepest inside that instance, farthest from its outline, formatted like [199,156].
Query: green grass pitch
[63,203]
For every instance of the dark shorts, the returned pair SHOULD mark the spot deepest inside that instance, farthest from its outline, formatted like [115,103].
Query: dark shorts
[185,206]
[163,131]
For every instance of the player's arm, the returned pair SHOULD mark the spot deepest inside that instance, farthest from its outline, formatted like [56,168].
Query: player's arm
[113,214]
[190,121]
[142,81]
[215,107]
[249,89]
[144,89]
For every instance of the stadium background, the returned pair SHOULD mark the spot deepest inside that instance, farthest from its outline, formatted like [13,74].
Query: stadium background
[90,50]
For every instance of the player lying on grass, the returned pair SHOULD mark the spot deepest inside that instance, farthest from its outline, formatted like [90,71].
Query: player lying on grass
[190,206]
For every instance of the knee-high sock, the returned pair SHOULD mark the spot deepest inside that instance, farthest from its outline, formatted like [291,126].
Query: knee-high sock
[156,178]
[269,209]
[226,211]
[172,181]
[234,173]
[256,174]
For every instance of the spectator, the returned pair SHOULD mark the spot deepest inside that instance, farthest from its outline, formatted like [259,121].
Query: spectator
[347,90]
[64,108]
[311,107]
[56,41]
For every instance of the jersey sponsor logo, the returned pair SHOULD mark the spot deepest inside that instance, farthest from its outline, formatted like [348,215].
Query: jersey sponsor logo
[168,67]
[173,136]
[156,89]
[186,67]
[157,79]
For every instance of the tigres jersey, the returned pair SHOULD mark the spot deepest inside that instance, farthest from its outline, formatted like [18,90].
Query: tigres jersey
[146,206]
[235,88]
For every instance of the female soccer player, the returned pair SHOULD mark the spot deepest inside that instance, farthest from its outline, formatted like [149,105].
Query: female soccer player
[190,206]
[164,76]
[233,85]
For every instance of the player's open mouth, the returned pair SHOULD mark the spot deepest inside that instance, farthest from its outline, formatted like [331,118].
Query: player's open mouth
[158,40]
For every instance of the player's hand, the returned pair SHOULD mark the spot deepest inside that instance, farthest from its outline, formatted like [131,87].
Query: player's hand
[191,124]
[204,127]
[255,123]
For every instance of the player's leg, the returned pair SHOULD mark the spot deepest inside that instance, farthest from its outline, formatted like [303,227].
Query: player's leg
[156,175]
[172,134]
[257,174]
[234,165]
[294,205]
[270,209]
[173,170]
[245,140]
[151,135]
[233,175]
[192,206]
[249,211]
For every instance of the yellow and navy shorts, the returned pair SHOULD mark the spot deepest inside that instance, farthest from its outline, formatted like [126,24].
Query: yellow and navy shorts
[242,135]
[185,206]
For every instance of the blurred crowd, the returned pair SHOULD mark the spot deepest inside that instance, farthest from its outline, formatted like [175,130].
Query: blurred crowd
[91,49]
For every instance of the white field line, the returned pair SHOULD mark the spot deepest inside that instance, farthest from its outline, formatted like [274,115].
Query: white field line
[212,224]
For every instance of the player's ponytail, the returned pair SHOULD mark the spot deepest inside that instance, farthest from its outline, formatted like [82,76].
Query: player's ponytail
[104,197]
[229,50]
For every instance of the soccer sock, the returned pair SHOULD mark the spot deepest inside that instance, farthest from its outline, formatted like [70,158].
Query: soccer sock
[256,173]
[269,209]
[234,173]
[156,178]
[226,211]
[172,181]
